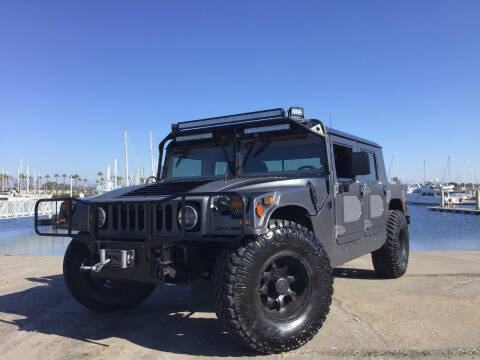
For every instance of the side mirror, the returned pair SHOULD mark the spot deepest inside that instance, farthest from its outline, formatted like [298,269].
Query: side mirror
[360,163]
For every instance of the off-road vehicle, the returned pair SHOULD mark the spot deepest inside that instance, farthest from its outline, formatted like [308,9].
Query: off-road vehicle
[263,204]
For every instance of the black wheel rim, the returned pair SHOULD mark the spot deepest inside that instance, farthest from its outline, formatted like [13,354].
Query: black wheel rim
[285,286]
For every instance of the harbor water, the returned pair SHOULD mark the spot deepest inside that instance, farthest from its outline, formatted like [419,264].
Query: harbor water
[429,230]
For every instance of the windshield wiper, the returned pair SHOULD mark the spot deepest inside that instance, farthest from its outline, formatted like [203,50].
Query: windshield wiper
[227,173]
[182,156]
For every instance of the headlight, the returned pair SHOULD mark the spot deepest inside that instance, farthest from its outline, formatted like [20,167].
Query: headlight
[101,217]
[190,217]
[224,204]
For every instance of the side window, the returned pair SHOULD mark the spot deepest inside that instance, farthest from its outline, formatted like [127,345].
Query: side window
[373,176]
[343,161]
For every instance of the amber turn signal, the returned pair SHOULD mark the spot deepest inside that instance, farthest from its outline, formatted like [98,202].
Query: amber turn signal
[259,209]
[269,200]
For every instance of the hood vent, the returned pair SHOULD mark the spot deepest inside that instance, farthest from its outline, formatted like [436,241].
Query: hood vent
[166,188]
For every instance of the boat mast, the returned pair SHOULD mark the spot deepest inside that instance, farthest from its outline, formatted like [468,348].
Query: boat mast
[424,165]
[449,178]
[126,160]
[115,174]
[28,180]
[393,167]
[151,155]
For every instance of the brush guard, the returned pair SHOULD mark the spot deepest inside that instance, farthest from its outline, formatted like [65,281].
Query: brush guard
[154,252]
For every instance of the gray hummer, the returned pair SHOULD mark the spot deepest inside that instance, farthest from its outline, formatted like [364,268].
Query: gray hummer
[262,204]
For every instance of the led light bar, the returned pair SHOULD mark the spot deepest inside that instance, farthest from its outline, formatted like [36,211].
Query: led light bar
[266,128]
[231,119]
[194,137]
[296,111]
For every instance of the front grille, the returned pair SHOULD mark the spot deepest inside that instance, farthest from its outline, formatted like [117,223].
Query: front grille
[166,188]
[124,217]
[131,218]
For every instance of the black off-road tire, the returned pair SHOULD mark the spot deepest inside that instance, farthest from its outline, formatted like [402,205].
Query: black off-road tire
[99,294]
[243,304]
[391,260]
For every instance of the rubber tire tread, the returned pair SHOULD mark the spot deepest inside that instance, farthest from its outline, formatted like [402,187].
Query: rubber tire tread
[385,260]
[81,289]
[230,262]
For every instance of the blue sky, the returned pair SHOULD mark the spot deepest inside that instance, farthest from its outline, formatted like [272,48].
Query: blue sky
[74,75]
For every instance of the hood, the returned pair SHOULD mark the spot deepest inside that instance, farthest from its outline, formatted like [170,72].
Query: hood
[168,188]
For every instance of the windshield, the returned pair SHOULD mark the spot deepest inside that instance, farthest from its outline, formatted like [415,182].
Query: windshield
[213,158]
[284,154]
[258,154]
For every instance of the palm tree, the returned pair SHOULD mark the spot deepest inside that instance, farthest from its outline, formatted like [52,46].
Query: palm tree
[64,176]
[76,177]
[56,176]
[100,174]
[119,180]
[46,183]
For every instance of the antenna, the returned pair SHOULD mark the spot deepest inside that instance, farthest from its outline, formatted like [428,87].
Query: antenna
[126,159]
[151,155]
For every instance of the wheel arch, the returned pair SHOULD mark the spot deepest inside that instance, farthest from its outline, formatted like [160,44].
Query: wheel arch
[396,204]
[295,213]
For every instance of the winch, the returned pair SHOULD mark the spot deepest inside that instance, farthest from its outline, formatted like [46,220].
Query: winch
[112,257]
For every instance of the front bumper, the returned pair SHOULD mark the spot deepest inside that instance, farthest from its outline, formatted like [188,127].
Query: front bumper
[138,229]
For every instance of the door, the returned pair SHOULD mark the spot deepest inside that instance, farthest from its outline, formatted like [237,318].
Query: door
[374,194]
[349,218]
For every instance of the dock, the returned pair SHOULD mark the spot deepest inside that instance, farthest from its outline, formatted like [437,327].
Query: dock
[431,313]
[20,207]
[458,210]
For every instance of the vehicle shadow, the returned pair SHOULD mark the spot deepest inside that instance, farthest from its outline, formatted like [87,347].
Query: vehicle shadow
[176,319]
[351,273]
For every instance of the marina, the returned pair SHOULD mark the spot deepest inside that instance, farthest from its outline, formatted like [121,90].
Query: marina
[429,230]
[460,209]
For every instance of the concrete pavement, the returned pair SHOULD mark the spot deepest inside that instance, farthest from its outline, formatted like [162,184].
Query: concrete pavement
[433,312]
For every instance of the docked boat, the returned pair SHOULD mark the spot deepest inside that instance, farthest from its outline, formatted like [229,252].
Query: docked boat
[429,195]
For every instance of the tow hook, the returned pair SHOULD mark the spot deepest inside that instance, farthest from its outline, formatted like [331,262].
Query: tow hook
[98,266]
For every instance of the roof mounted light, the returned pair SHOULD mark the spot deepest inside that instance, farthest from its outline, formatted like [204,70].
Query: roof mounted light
[296,112]
[231,119]
[194,137]
[266,128]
